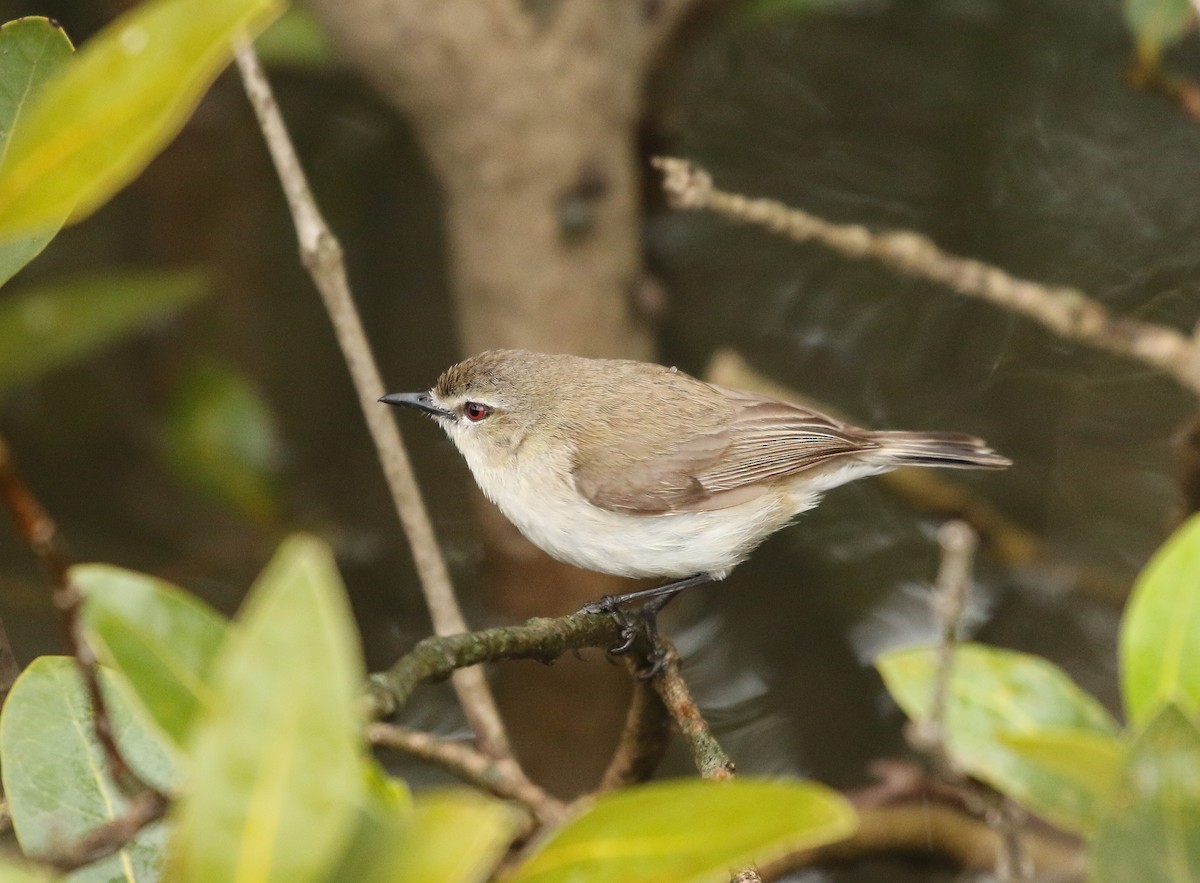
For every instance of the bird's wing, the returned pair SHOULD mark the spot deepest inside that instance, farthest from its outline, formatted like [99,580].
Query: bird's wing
[723,466]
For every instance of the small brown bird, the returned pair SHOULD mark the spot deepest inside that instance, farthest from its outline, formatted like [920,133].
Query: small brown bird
[638,470]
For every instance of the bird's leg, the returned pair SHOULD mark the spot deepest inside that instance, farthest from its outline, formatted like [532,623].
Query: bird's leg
[610,603]
[656,599]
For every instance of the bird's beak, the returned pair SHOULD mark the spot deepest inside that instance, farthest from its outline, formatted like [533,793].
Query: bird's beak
[419,400]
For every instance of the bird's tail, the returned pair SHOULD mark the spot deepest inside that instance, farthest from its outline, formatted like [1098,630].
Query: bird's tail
[953,450]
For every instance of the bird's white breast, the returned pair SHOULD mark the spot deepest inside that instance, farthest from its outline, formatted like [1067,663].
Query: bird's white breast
[535,491]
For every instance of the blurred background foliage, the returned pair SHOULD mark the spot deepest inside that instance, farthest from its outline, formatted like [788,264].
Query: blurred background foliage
[170,385]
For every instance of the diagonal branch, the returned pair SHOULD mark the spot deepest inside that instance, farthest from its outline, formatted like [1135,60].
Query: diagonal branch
[1068,312]
[322,255]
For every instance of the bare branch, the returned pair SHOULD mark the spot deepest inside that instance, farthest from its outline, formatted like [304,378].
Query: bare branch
[951,590]
[111,837]
[498,776]
[322,255]
[545,640]
[1068,312]
[708,755]
[437,658]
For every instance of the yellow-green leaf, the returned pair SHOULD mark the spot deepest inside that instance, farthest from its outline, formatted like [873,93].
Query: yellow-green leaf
[48,327]
[126,94]
[1160,631]
[14,870]
[295,40]
[1089,761]
[160,637]
[994,695]
[1152,833]
[454,836]
[31,49]
[56,776]
[1157,24]
[277,760]
[689,831]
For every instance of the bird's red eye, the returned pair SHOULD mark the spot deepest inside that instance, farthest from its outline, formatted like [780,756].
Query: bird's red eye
[475,411]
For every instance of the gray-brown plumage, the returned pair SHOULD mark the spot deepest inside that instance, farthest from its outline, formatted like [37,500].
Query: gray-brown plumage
[637,469]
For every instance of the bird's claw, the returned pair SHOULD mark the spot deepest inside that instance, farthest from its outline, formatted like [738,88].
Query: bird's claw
[657,657]
[628,621]
[628,625]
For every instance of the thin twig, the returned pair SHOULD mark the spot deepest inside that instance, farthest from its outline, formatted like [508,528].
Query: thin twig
[950,593]
[708,755]
[146,803]
[1013,863]
[952,589]
[109,838]
[1068,312]
[321,253]
[498,776]
[644,738]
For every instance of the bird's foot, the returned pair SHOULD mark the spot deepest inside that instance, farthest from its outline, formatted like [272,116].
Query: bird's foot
[625,620]
[639,621]
[643,619]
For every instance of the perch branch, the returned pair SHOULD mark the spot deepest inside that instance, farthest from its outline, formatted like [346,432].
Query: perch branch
[498,776]
[146,803]
[438,657]
[322,256]
[1068,312]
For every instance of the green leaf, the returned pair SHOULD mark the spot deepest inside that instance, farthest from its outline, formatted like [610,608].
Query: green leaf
[449,836]
[1157,24]
[369,855]
[295,40]
[55,774]
[30,50]
[127,93]
[996,694]
[1089,761]
[1152,834]
[689,831]
[223,440]
[277,760]
[162,639]
[1160,631]
[46,328]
